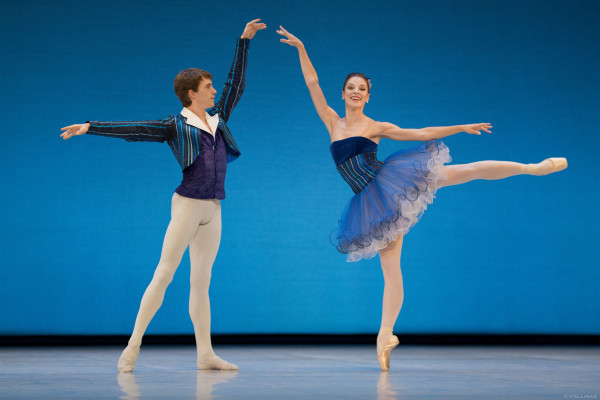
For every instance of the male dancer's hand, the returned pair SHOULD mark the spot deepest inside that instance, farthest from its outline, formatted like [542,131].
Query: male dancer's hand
[252,27]
[72,130]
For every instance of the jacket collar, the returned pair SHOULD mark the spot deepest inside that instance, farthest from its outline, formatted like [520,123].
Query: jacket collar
[192,119]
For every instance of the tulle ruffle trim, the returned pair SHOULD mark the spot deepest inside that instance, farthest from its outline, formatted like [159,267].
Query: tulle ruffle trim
[404,201]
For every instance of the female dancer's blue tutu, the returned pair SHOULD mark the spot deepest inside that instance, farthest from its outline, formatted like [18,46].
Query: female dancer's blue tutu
[392,202]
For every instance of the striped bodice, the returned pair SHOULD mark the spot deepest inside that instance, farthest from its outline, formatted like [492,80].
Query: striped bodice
[359,170]
[356,160]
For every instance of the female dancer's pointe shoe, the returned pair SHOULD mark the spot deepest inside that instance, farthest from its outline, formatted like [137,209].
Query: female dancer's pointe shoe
[558,164]
[383,355]
[214,362]
[128,359]
[548,166]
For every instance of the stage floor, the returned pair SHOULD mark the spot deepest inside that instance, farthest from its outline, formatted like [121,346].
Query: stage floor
[304,372]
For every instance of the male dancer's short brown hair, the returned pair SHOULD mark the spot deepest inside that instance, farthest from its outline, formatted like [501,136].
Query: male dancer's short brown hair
[189,79]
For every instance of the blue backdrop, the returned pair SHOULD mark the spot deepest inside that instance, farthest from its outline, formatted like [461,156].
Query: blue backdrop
[83,221]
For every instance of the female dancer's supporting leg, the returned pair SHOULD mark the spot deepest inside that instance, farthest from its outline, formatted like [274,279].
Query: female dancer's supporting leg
[393,296]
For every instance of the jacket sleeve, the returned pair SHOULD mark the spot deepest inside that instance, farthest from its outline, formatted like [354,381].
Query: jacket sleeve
[135,131]
[236,81]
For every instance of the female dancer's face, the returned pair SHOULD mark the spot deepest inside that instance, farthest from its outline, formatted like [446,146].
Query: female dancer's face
[356,92]
[205,95]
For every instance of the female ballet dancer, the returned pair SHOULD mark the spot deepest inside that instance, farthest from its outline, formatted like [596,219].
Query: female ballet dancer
[203,146]
[391,196]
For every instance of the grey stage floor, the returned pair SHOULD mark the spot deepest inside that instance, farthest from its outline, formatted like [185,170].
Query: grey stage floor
[304,372]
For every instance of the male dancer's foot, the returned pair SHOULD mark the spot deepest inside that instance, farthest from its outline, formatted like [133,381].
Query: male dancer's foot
[386,341]
[128,359]
[212,361]
[548,166]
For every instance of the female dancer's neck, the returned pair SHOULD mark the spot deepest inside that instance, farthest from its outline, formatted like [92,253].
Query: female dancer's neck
[354,115]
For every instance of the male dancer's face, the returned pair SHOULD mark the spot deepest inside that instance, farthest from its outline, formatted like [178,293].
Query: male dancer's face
[204,97]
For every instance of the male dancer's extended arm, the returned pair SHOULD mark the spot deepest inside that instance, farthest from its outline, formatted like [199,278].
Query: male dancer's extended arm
[132,131]
[236,80]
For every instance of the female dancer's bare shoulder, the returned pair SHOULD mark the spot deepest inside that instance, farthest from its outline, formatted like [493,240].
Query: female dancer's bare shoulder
[346,127]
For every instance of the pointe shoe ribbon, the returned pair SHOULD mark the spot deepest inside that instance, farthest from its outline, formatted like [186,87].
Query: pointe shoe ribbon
[384,355]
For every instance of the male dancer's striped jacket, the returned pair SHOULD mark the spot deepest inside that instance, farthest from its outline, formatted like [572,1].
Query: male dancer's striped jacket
[184,139]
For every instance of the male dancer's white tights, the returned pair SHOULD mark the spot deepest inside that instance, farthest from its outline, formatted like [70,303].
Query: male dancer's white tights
[196,223]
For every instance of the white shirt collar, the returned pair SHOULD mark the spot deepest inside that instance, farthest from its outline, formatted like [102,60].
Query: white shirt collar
[192,119]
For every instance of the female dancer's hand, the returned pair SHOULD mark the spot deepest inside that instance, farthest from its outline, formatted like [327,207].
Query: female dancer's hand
[475,128]
[252,27]
[72,130]
[290,39]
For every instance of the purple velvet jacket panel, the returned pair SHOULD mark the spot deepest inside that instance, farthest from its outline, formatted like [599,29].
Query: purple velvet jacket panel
[205,178]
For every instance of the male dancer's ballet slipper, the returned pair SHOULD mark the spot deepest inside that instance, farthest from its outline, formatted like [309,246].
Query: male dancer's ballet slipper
[216,362]
[383,355]
[128,359]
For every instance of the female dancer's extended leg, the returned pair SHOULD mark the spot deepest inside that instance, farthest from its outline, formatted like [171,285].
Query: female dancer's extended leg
[492,170]
[393,296]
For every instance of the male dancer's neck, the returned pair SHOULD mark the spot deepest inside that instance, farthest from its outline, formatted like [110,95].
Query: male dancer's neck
[199,112]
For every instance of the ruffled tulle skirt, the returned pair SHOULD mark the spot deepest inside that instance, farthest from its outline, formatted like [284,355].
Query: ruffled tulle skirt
[392,202]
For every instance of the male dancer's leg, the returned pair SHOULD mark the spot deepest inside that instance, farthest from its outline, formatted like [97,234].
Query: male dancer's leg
[186,214]
[203,251]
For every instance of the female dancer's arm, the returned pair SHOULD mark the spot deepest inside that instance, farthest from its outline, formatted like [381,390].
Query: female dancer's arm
[326,113]
[391,131]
